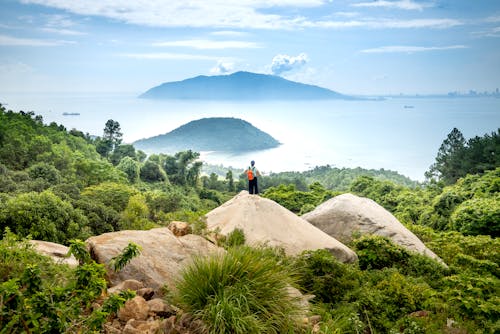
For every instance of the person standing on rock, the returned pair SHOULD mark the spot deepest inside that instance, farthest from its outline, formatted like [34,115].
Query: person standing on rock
[252,173]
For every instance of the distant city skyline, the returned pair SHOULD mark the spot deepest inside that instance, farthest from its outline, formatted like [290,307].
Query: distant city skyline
[364,47]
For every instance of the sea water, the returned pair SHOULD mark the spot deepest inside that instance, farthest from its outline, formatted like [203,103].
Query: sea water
[400,134]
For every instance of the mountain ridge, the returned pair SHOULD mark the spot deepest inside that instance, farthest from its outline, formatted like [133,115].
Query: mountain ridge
[240,86]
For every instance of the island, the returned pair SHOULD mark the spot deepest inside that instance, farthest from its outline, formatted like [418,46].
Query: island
[210,134]
[240,86]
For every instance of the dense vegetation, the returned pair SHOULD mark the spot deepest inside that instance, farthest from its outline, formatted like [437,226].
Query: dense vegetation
[59,185]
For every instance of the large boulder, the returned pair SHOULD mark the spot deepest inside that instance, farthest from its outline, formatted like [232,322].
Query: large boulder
[162,257]
[264,221]
[58,253]
[346,215]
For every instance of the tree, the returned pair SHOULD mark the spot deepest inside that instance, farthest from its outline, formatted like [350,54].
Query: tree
[130,167]
[449,165]
[44,216]
[152,172]
[112,137]
[120,152]
[182,168]
[230,181]
[112,132]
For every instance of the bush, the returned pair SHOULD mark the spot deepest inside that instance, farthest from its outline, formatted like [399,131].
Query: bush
[39,296]
[478,216]
[242,291]
[321,274]
[375,252]
[234,238]
[44,216]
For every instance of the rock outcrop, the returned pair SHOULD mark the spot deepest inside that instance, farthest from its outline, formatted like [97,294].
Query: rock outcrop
[56,252]
[264,221]
[347,214]
[162,257]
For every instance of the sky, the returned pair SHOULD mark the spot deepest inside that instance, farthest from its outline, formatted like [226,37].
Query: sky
[362,47]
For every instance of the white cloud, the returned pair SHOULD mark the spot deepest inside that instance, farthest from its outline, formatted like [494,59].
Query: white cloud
[210,44]
[492,32]
[242,14]
[400,4]
[67,32]
[15,68]
[412,49]
[179,13]
[169,56]
[347,14]
[230,33]
[222,67]
[60,24]
[493,19]
[388,24]
[285,63]
[16,41]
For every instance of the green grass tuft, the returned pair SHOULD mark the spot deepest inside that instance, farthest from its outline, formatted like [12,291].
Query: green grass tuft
[241,291]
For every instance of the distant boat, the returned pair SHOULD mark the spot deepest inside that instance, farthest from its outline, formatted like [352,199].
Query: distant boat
[409,107]
[71,114]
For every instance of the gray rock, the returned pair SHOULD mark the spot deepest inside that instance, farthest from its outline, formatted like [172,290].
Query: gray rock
[130,284]
[346,215]
[58,253]
[264,221]
[162,257]
[136,308]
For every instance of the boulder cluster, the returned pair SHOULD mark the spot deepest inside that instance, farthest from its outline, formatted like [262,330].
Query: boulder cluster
[166,251]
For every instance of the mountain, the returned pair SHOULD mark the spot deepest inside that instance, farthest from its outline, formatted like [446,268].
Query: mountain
[240,86]
[210,134]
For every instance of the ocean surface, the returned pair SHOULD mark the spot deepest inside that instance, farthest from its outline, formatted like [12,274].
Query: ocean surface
[400,134]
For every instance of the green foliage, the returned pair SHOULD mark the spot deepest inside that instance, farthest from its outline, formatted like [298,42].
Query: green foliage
[473,296]
[43,216]
[111,194]
[456,158]
[375,252]
[136,214]
[44,171]
[121,260]
[388,297]
[478,216]
[298,201]
[130,167]
[121,152]
[152,172]
[79,251]
[39,296]
[242,291]
[183,168]
[101,218]
[234,239]
[470,205]
[321,274]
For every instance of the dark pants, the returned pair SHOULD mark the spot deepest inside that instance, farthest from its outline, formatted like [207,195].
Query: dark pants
[252,186]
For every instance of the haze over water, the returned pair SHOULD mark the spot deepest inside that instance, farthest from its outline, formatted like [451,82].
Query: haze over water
[368,134]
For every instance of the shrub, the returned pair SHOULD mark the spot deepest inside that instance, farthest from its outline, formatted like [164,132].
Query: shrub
[39,296]
[321,274]
[478,216]
[44,216]
[242,291]
[235,238]
[375,252]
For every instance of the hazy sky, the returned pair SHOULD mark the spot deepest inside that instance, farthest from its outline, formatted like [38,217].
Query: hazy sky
[354,47]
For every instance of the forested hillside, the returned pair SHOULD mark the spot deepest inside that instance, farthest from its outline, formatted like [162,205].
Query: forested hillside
[63,186]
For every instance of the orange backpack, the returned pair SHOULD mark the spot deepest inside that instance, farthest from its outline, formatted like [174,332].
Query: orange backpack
[250,174]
